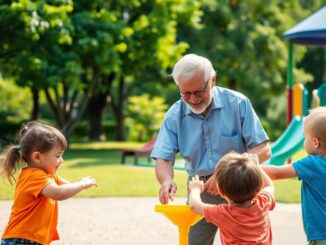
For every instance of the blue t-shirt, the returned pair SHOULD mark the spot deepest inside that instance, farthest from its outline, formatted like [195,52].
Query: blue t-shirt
[230,125]
[311,171]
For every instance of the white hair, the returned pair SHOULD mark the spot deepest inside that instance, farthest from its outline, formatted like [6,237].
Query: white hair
[189,65]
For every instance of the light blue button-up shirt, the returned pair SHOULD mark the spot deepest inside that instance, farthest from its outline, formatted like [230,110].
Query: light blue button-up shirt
[230,125]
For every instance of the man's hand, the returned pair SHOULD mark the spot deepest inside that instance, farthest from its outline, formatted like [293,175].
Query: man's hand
[196,183]
[211,185]
[167,191]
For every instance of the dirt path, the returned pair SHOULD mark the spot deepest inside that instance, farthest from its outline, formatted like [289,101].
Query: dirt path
[133,221]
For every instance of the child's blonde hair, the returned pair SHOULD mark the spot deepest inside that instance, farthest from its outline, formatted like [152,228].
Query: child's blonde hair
[238,177]
[33,136]
[316,121]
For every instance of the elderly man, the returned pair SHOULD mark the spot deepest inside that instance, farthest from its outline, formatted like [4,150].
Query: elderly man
[206,123]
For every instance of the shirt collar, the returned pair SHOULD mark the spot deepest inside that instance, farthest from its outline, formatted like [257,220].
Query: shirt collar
[215,104]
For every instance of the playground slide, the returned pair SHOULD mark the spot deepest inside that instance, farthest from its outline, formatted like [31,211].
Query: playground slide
[288,143]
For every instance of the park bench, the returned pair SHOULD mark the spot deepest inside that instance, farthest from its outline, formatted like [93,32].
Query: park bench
[144,151]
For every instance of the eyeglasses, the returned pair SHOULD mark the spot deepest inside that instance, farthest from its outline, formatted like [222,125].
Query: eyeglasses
[197,93]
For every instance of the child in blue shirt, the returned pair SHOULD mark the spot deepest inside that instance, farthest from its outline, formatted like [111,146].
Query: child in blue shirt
[311,170]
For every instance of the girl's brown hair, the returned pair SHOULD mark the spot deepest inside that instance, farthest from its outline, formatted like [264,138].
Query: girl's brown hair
[33,136]
[238,177]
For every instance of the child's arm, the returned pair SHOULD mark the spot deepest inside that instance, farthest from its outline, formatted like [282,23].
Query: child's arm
[64,181]
[67,190]
[280,172]
[268,184]
[263,151]
[196,187]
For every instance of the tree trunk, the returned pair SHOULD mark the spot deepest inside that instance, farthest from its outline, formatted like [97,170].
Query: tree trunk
[117,105]
[120,115]
[96,106]
[66,116]
[36,104]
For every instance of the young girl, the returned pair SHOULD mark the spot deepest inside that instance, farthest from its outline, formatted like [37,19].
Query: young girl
[250,196]
[34,214]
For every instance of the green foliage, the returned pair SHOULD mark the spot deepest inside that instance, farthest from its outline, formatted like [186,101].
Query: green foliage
[109,128]
[244,41]
[71,49]
[275,120]
[150,46]
[81,131]
[32,33]
[57,49]
[15,102]
[145,116]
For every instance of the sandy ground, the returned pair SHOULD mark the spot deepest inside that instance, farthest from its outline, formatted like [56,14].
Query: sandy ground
[133,221]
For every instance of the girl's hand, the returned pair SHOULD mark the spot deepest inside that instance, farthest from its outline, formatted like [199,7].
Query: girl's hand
[88,182]
[196,183]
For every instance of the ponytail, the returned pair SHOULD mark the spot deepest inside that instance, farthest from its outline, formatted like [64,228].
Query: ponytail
[11,161]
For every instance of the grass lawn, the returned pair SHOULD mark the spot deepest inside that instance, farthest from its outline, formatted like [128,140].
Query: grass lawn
[102,161]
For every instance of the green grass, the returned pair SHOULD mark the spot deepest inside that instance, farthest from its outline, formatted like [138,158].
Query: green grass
[288,191]
[102,161]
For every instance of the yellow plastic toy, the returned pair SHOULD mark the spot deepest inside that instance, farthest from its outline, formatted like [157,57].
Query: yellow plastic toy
[182,216]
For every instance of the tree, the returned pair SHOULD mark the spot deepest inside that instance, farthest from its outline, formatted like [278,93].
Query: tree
[58,53]
[244,41]
[89,50]
[147,41]
[29,52]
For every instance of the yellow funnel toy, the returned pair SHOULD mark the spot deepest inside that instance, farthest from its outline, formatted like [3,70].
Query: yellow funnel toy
[182,216]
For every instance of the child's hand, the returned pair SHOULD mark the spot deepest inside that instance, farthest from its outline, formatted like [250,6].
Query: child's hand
[196,183]
[88,181]
[254,157]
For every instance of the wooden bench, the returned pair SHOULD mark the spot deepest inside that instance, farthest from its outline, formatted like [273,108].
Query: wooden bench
[144,151]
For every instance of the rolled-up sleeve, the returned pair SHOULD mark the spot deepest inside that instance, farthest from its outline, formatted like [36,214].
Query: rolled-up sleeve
[166,145]
[253,132]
